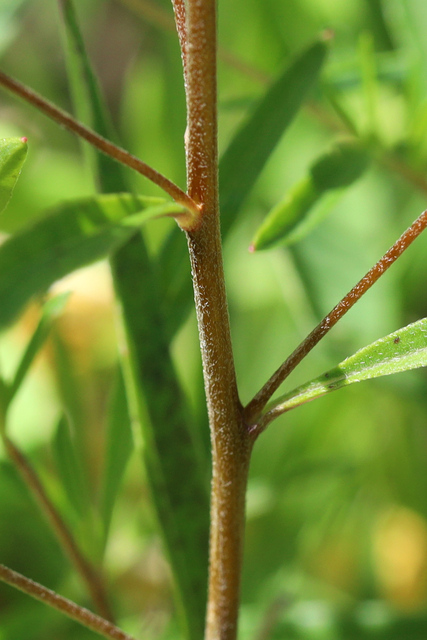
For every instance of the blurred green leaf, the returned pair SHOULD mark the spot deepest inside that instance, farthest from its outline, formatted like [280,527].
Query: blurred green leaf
[51,310]
[70,469]
[174,469]
[253,144]
[402,350]
[13,152]
[73,235]
[119,446]
[288,221]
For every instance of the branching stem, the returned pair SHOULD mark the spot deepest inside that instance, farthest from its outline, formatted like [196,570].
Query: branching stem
[65,606]
[102,144]
[254,408]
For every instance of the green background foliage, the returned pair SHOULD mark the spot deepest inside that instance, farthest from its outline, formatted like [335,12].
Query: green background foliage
[336,543]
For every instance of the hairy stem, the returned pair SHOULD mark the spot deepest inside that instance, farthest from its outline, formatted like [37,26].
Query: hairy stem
[230,441]
[254,408]
[65,606]
[102,144]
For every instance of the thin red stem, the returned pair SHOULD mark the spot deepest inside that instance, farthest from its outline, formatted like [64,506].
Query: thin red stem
[102,144]
[254,408]
[65,606]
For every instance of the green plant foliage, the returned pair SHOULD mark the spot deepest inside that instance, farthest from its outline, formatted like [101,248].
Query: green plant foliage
[291,219]
[51,310]
[402,350]
[69,469]
[72,236]
[119,446]
[321,486]
[13,152]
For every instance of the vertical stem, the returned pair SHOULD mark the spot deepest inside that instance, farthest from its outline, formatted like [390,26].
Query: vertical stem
[230,441]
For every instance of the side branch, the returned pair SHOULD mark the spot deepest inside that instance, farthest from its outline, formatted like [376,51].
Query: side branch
[102,144]
[65,606]
[255,407]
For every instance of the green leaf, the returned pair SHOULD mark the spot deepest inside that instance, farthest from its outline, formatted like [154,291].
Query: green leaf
[51,310]
[402,350]
[340,167]
[119,446]
[175,473]
[13,152]
[292,218]
[286,215]
[253,144]
[73,235]
[70,469]
[241,165]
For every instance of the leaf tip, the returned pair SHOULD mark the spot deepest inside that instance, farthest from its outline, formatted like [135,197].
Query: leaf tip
[24,140]
[252,248]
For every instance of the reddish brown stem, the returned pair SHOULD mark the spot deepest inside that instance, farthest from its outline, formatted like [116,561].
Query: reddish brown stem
[65,606]
[102,144]
[254,408]
[181,27]
[230,440]
[83,567]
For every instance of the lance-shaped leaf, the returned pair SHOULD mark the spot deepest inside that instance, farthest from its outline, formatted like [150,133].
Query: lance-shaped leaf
[402,350]
[253,144]
[69,469]
[118,448]
[297,214]
[13,152]
[74,235]
[242,163]
[51,310]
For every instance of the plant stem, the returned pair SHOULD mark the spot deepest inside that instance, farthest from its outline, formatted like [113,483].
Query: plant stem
[254,408]
[102,144]
[81,564]
[230,441]
[65,606]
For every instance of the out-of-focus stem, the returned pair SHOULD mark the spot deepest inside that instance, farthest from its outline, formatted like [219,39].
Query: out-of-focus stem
[89,575]
[65,606]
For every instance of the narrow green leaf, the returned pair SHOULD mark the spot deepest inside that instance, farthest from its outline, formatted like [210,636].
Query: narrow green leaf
[70,469]
[89,102]
[73,235]
[175,475]
[174,470]
[288,221]
[51,310]
[241,165]
[402,350]
[286,215]
[253,144]
[119,446]
[13,152]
